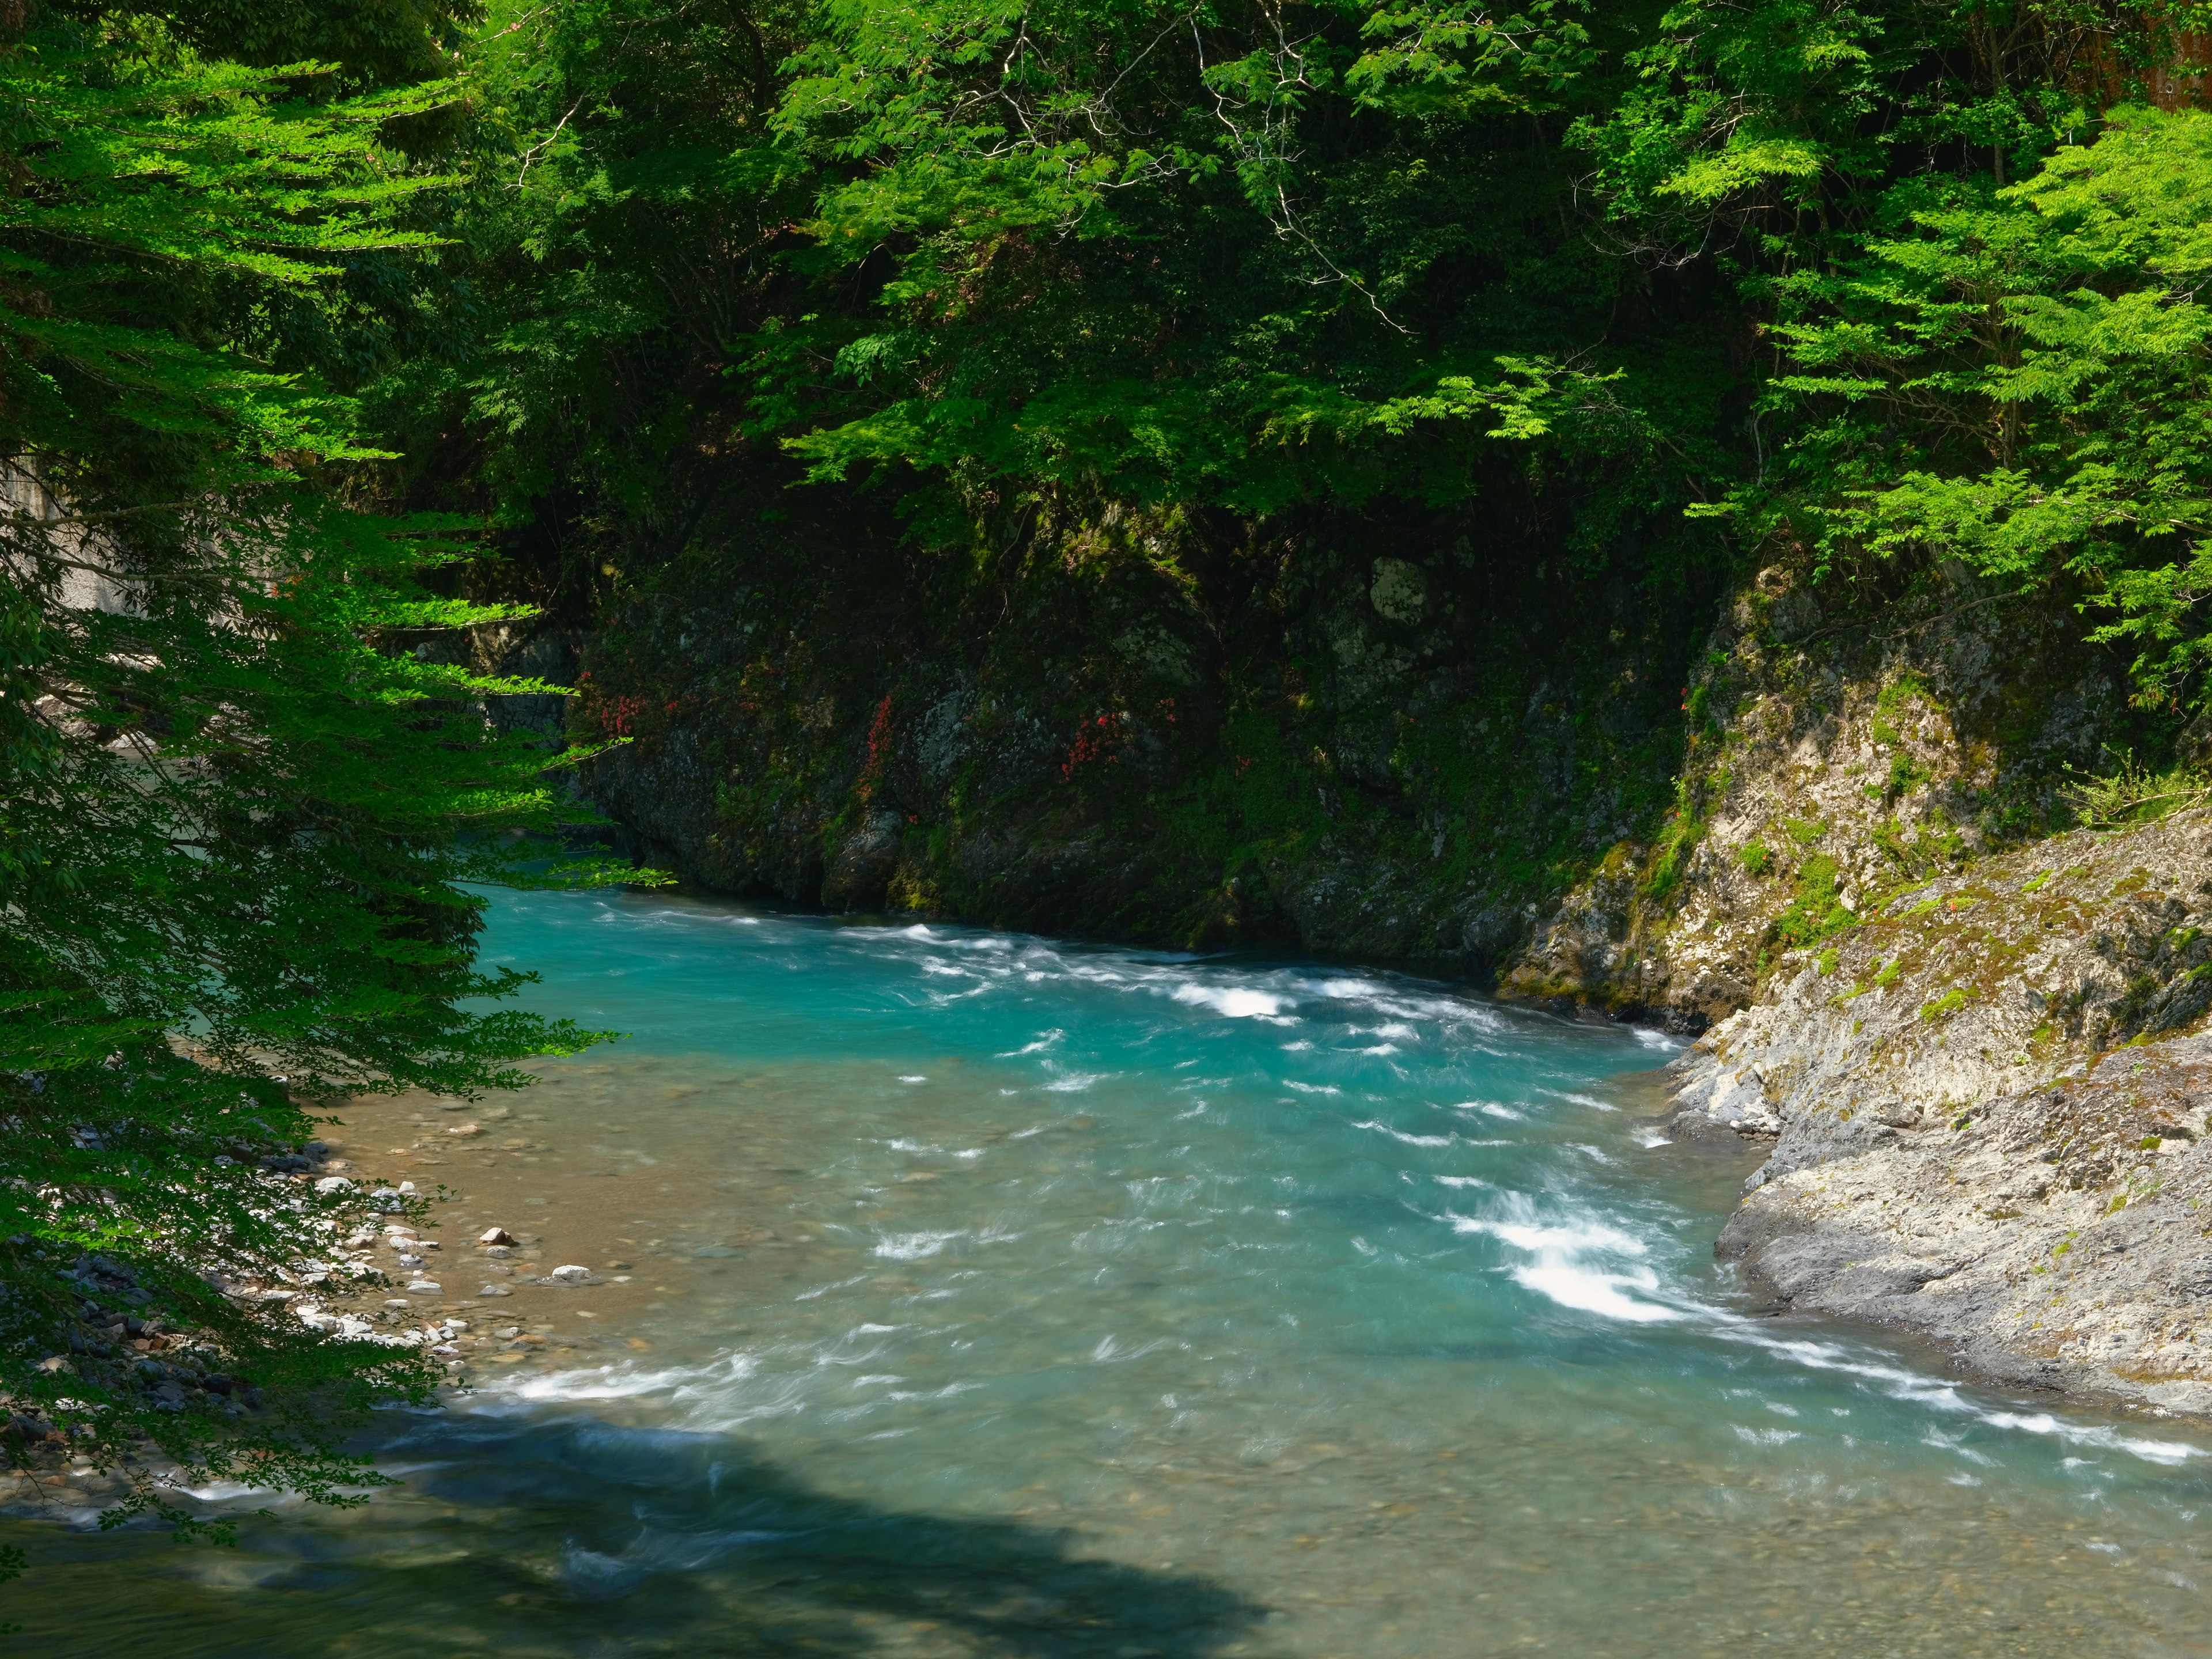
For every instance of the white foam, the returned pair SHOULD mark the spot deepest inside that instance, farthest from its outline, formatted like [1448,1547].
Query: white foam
[1574,1240]
[1234,1002]
[1311,1088]
[912,1247]
[1560,1272]
[1348,990]
[1903,1384]
[2151,1451]
[1572,1286]
[1410,1140]
[1591,1101]
[823,1290]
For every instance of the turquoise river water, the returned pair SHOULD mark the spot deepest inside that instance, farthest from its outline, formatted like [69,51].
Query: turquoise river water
[991,1295]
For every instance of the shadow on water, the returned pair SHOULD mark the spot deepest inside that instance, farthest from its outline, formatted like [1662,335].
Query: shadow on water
[579,1538]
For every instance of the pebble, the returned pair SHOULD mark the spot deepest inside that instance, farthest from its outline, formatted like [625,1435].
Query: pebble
[569,1273]
[494,1235]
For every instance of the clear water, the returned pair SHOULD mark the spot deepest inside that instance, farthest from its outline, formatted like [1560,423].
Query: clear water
[995,1296]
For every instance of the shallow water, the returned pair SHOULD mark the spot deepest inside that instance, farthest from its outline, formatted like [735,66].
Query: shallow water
[995,1296]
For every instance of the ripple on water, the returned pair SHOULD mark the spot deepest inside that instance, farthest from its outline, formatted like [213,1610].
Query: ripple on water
[1011,1348]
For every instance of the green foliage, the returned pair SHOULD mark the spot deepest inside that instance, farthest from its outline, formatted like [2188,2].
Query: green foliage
[1814,910]
[972,256]
[1890,702]
[1679,836]
[2015,378]
[1066,195]
[2133,792]
[234,828]
[1949,1002]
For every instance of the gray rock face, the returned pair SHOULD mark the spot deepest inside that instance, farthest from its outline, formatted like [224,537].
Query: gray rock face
[1989,1105]
[1830,759]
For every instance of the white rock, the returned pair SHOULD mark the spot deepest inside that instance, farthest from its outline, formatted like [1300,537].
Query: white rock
[420,1286]
[491,1236]
[330,1184]
[570,1274]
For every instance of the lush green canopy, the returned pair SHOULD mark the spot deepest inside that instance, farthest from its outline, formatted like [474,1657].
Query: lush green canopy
[1640,258]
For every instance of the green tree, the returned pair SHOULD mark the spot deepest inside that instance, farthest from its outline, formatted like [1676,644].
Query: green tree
[234,825]
[2020,379]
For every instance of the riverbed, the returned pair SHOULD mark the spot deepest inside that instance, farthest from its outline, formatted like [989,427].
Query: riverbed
[963,1293]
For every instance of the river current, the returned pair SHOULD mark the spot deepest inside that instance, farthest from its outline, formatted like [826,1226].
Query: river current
[992,1295]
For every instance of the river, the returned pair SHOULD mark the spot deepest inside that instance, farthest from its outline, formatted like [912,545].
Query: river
[961,1294]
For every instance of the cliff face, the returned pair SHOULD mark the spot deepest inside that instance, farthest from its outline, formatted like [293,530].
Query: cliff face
[1630,800]
[1832,759]
[1383,749]
[1989,1103]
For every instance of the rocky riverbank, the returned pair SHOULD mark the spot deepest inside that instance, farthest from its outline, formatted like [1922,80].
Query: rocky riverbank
[1987,1105]
[514,1270]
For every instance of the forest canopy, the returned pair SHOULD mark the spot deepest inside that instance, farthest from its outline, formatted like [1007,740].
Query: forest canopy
[1864,283]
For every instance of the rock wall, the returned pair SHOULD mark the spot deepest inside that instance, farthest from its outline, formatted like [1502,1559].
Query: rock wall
[1831,761]
[1988,1102]
[1584,792]
[1145,727]
[1589,793]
